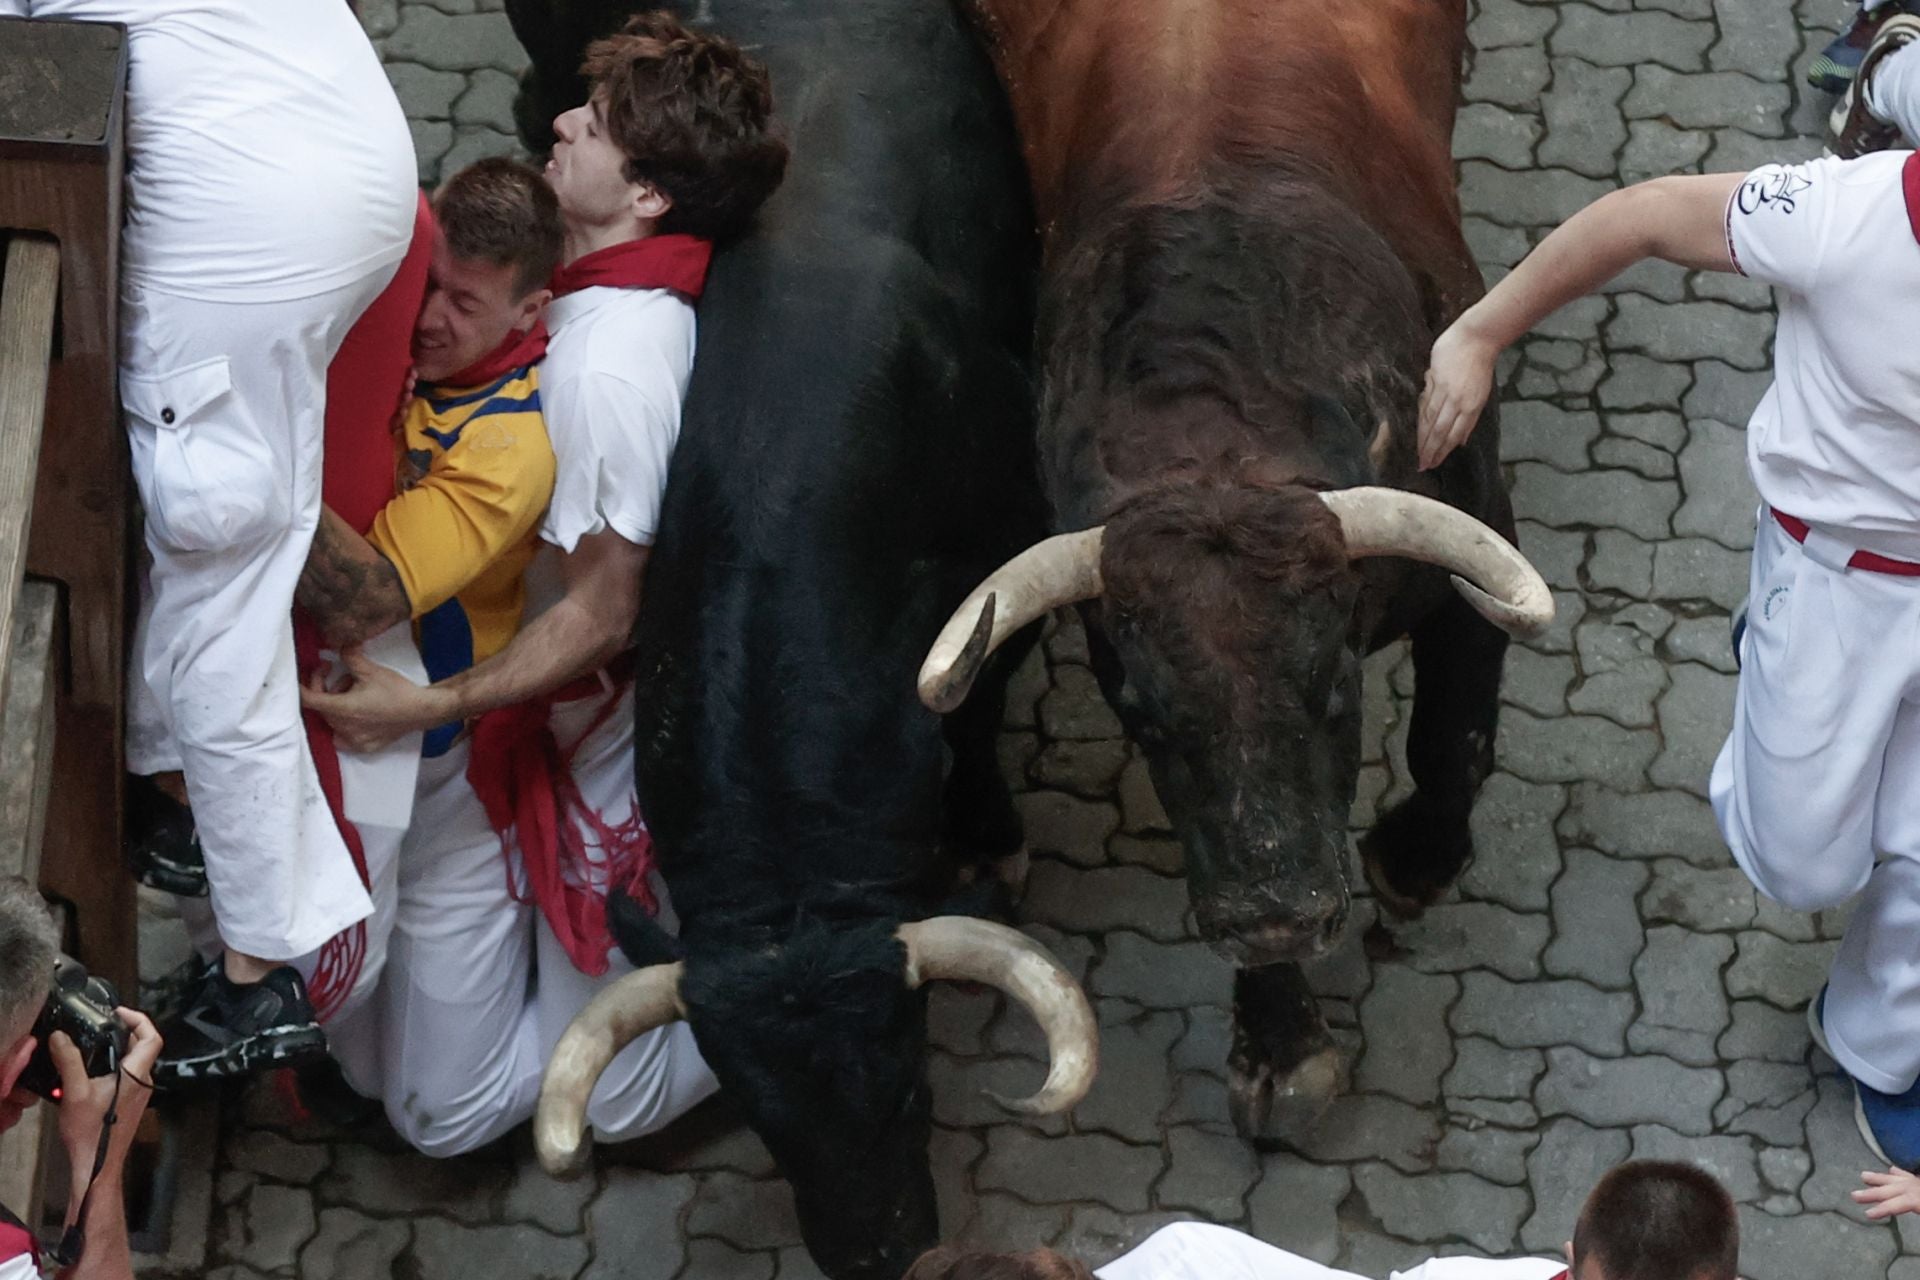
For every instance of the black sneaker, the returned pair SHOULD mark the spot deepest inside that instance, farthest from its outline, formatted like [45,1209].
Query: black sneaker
[323,1090]
[163,845]
[230,1029]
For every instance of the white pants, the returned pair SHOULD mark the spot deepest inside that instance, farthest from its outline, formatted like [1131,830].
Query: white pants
[224,410]
[464,1041]
[1893,92]
[1815,781]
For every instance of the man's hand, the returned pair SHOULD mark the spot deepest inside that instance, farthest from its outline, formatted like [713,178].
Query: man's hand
[84,1100]
[379,706]
[1886,1194]
[1459,383]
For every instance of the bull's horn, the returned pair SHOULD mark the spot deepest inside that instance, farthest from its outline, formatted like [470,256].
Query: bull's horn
[621,1013]
[963,949]
[1059,571]
[1488,570]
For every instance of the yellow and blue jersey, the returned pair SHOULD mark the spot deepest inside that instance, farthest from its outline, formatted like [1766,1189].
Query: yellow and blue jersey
[475,473]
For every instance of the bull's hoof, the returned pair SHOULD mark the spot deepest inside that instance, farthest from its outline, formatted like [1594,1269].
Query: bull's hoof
[1413,856]
[1012,871]
[1270,1106]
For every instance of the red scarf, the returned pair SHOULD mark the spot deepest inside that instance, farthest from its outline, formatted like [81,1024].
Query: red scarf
[1910,187]
[516,351]
[674,262]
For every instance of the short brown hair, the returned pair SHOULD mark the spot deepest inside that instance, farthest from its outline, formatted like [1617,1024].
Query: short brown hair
[967,1264]
[498,210]
[694,116]
[1658,1220]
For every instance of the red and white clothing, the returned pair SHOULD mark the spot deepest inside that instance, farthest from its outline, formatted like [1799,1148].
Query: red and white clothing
[270,194]
[1202,1251]
[1811,787]
[19,1257]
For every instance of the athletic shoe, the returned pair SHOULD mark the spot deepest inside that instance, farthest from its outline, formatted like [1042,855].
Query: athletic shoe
[163,844]
[1889,1123]
[1838,63]
[1739,629]
[232,1029]
[1855,130]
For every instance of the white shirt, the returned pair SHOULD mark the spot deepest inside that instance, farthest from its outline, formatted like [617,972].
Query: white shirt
[1836,439]
[268,159]
[1201,1251]
[615,373]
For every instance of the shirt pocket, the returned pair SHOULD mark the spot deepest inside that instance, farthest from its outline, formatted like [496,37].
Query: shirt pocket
[207,476]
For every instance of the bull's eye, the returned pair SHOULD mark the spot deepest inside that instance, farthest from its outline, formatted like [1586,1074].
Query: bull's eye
[1336,703]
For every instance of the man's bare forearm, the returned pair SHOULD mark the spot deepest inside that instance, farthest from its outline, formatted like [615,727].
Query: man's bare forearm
[106,1253]
[351,590]
[564,643]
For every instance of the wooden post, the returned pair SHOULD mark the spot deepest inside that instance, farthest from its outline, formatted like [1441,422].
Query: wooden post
[62,95]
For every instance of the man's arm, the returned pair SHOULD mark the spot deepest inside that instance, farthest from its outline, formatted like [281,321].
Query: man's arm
[351,590]
[588,626]
[105,1254]
[1679,219]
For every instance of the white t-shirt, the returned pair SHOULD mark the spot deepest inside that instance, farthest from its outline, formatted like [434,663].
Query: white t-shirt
[1202,1251]
[615,374]
[267,158]
[1836,439]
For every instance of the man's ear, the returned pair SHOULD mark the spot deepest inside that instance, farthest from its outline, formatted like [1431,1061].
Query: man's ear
[650,203]
[533,309]
[16,1062]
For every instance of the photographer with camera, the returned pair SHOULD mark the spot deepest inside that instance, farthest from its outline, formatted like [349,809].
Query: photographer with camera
[101,1086]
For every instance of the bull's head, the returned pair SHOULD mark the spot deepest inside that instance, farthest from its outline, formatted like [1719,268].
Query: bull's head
[822,1040]
[1227,616]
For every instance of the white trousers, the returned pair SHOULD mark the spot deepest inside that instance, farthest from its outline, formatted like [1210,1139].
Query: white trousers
[224,420]
[466,1026]
[1814,787]
[1893,92]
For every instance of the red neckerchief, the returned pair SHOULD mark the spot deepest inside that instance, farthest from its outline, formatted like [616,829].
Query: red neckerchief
[516,351]
[674,262]
[1910,185]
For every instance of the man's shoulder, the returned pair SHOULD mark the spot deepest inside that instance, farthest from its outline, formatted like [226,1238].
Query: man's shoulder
[1485,1269]
[610,335]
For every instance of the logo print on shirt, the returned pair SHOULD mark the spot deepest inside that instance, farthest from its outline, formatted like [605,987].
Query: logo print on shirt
[1778,189]
[1776,600]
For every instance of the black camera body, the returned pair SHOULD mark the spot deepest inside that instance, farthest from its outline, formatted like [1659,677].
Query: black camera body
[82,1006]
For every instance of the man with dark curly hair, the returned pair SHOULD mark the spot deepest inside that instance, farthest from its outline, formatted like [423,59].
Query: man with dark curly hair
[673,151]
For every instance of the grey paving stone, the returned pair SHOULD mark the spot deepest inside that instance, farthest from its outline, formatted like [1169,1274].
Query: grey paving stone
[1650,825]
[1404,1021]
[1089,769]
[1075,707]
[1087,1166]
[1630,39]
[381,1183]
[1511,77]
[1199,1100]
[1442,1206]
[274,1222]
[1106,898]
[1839,1153]
[1817,1244]
[425,94]
[1096,1234]
[558,1205]
[1537,681]
[1603,499]
[1518,858]
[1720,497]
[1582,112]
[1695,712]
[1696,569]
[1161,854]
[1456,936]
[1621,562]
[379,17]
[1770,1100]
[1028,684]
[1488,132]
[1638,382]
[1562,1169]
[1498,1155]
[1162,975]
[957,1017]
[1703,899]
[1624,676]
[1662,430]
[1139,803]
[1015,751]
[1642,459]
[1707,641]
[716,1260]
[1754,295]
[1372,1254]
[1752,41]
[1494,246]
[1485,1111]
[1009,1225]
[1732,1160]
[444,1250]
[1571,748]
[1578,321]
[1483,1069]
[275,1156]
[1528,198]
[637,1215]
[1134,1084]
[1555,553]
[1784,1168]
[1786,974]
[1371,1126]
[1613,1092]
[952,1154]
[1596,926]
[1715,100]
[488,101]
[1204,1046]
[1691,331]
[1784,922]
[1506,24]
[1542,1014]
[1678,978]
[454,42]
[431,138]
[750,1213]
[1208,1173]
[1534,430]
[1065,825]
[1723,393]
[1295,1205]
[1655,148]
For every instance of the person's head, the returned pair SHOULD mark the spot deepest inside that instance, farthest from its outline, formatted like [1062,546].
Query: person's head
[948,1263]
[29,944]
[1656,1220]
[676,136]
[498,244]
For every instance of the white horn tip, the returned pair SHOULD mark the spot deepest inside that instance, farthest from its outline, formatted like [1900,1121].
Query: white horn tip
[1523,621]
[945,680]
[562,1151]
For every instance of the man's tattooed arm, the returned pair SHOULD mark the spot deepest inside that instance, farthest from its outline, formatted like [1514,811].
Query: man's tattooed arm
[353,592]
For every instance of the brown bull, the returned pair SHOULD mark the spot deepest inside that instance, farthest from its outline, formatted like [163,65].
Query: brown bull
[1251,240]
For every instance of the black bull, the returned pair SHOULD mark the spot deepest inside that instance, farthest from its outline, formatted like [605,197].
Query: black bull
[856,451]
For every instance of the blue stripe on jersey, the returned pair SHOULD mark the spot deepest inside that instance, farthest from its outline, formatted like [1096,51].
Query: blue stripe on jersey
[529,403]
[446,649]
[469,397]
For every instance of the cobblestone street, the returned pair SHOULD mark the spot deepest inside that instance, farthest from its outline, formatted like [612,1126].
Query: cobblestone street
[1603,984]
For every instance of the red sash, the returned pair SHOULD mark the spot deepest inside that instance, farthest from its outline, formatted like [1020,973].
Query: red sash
[365,385]
[517,350]
[674,262]
[1910,187]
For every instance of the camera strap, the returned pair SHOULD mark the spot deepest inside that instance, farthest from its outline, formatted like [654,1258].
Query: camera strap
[73,1241]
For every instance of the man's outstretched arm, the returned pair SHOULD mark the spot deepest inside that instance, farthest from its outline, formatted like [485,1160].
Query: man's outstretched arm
[1679,219]
[578,635]
[350,589]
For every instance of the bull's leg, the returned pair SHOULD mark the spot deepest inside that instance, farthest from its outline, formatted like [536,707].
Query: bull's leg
[982,827]
[1422,845]
[1284,1068]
